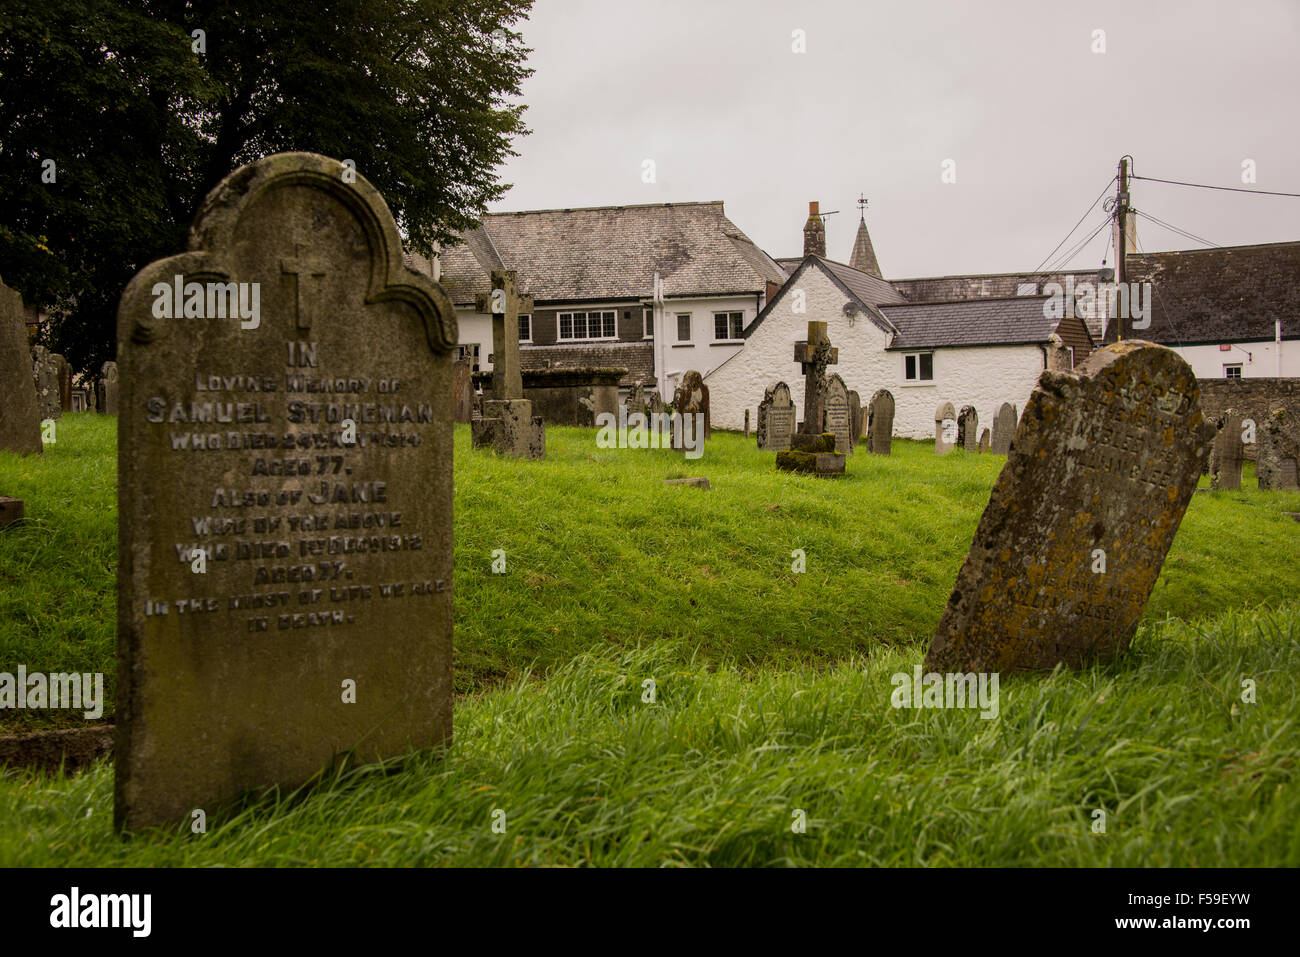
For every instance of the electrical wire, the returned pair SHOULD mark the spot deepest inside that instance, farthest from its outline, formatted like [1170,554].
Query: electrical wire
[1231,189]
[1076,225]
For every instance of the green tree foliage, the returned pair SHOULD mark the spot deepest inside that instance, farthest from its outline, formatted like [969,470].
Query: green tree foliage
[141,118]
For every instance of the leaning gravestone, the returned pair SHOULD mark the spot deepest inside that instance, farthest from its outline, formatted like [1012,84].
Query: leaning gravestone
[837,415]
[776,418]
[107,389]
[692,398]
[855,416]
[1279,451]
[45,374]
[880,423]
[945,429]
[967,428]
[1004,429]
[1081,516]
[984,441]
[285,496]
[20,420]
[462,389]
[1227,454]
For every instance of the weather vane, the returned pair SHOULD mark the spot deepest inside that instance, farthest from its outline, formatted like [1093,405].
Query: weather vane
[862,205]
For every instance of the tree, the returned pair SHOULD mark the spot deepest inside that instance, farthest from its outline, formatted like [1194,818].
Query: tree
[143,106]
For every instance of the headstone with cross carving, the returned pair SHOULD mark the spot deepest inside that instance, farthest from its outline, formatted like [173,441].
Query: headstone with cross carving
[812,451]
[285,500]
[508,424]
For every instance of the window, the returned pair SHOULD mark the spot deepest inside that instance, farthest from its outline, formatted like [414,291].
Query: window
[728,325]
[683,327]
[919,367]
[525,328]
[1232,371]
[469,352]
[588,325]
[648,323]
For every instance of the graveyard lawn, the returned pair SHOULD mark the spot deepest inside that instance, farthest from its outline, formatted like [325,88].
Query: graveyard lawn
[581,770]
[602,557]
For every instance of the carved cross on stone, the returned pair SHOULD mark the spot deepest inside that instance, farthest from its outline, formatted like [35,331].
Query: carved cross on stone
[814,356]
[506,306]
[300,267]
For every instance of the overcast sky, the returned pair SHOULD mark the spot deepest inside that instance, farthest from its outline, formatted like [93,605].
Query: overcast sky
[713,93]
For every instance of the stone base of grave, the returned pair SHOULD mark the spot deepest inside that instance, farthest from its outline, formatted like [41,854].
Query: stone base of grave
[812,455]
[803,442]
[11,511]
[509,426]
[697,482]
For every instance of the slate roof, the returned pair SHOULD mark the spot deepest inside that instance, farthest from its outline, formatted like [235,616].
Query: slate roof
[870,290]
[610,252]
[1228,294]
[1017,320]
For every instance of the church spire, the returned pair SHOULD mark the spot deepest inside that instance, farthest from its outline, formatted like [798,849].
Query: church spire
[864,254]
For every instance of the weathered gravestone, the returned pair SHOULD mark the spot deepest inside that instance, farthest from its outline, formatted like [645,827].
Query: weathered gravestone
[508,424]
[20,420]
[462,389]
[945,429]
[1279,451]
[812,450]
[285,585]
[45,374]
[636,399]
[1228,453]
[106,389]
[880,423]
[984,441]
[967,428]
[776,418]
[837,415]
[64,373]
[691,399]
[1004,429]
[1081,516]
[855,417]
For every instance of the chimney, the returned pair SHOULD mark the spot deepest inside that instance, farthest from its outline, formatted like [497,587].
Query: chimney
[814,233]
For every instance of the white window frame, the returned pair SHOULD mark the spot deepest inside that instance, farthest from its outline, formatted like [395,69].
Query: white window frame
[647,323]
[730,315]
[1228,366]
[917,379]
[586,314]
[690,326]
[529,317]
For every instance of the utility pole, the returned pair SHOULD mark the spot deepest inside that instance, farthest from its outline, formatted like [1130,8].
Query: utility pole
[1121,214]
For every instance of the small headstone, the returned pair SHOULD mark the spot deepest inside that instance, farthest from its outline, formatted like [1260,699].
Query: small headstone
[1004,429]
[11,510]
[945,429]
[746,423]
[1228,453]
[107,388]
[984,441]
[1081,517]
[285,594]
[697,482]
[691,399]
[968,422]
[880,423]
[855,417]
[64,373]
[45,374]
[776,418]
[655,403]
[462,388]
[1279,451]
[838,419]
[79,403]
[20,419]
[636,400]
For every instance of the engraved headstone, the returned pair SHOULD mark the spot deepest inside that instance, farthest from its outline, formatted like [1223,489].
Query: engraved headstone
[45,374]
[776,418]
[1081,516]
[945,429]
[64,372]
[285,499]
[107,389]
[20,420]
[856,417]
[508,424]
[880,423]
[691,398]
[462,388]
[837,414]
[967,425]
[1227,454]
[1279,451]
[1004,429]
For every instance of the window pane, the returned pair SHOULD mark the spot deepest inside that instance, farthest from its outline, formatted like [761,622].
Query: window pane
[648,320]
[720,326]
[525,328]
[566,325]
[737,324]
[927,365]
[684,328]
[579,325]
[611,324]
[910,364]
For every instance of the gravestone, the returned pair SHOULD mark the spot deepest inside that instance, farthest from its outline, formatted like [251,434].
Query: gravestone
[655,402]
[107,388]
[1228,453]
[64,373]
[462,388]
[746,423]
[1081,516]
[855,417]
[812,450]
[776,418]
[880,423]
[984,441]
[20,419]
[284,582]
[45,373]
[691,398]
[945,429]
[1004,429]
[968,422]
[79,403]
[838,416]
[507,424]
[1279,451]
[636,399]
[11,510]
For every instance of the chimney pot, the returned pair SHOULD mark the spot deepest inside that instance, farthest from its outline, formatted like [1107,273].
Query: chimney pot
[813,208]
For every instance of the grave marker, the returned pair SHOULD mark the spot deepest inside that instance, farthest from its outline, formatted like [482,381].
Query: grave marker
[20,419]
[45,373]
[690,399]
[838,415]
[968,422]
[776,418]
[812,450]
[880,423]
[945,429]
[462,388]
[1004,429]
[1228,453]
[1279,451]
[856,417]
[508,424]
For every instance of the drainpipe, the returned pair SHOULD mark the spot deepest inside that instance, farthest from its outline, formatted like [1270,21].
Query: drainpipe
[1277,335]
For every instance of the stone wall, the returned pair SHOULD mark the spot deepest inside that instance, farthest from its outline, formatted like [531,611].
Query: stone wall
[1254,398]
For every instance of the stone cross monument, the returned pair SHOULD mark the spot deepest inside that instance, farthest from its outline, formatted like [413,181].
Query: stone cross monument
[508,424]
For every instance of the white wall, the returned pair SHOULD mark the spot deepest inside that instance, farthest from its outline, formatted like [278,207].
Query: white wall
[701,353]
[476,327]
[1208,361]
[984,377]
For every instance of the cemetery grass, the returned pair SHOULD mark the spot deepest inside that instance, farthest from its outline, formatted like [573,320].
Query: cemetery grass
[601,556]
[716,770]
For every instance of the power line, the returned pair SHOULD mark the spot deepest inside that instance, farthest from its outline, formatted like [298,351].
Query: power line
[1076,225]
[1062,261]
[1176,229]
[1232,189]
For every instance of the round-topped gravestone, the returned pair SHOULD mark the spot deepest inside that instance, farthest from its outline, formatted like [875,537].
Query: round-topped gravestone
[945,428]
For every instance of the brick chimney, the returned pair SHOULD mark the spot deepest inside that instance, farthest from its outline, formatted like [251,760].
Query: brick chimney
[814,233]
